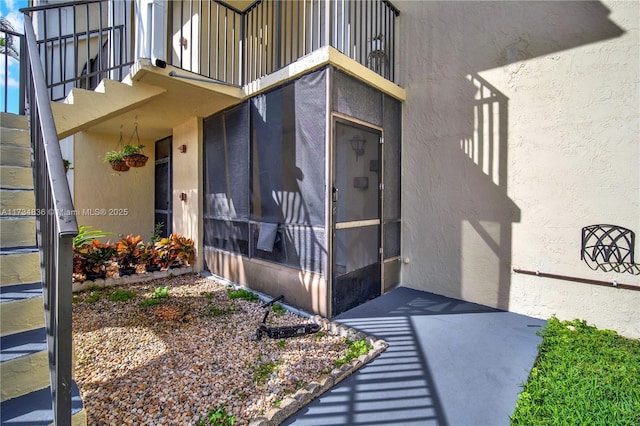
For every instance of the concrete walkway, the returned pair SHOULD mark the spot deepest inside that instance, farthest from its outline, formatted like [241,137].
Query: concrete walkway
[449,362]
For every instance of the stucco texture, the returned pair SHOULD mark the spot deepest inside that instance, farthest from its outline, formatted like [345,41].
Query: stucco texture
[520,127]
[117,202]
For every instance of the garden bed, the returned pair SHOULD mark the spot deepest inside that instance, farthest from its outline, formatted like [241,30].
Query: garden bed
[180,350]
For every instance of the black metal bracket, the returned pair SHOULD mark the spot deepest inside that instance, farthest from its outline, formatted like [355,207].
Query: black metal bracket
[609,248]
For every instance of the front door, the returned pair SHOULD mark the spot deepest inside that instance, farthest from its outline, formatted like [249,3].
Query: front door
[356,275]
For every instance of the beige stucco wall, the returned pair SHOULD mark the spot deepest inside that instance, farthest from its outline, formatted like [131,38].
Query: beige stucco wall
[118,202]
[187,179]
[520,127]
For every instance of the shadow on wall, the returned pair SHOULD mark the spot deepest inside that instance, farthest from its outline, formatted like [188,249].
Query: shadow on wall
[456,173]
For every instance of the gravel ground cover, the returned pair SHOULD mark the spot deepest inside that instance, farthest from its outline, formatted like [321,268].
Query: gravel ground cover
[173,360]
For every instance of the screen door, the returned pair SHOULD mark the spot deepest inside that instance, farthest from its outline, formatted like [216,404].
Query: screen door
[356,215]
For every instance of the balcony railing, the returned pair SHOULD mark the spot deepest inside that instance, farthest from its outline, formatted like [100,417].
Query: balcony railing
[82,42]
[237,47]
[13,79]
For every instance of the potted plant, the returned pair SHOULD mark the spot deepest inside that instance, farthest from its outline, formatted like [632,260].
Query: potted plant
[91,259]
[133,156]
[129,253]
[116,159]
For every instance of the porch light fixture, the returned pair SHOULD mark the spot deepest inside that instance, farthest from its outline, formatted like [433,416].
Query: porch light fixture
[357,144]
[182,149]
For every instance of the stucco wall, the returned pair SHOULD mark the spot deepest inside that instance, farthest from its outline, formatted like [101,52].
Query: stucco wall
[520,127]
[187,179]
[118,202]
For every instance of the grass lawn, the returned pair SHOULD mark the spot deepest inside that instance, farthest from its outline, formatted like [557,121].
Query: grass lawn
[582,376]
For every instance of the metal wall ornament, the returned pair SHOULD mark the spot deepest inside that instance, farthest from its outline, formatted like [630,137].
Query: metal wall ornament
[609,248]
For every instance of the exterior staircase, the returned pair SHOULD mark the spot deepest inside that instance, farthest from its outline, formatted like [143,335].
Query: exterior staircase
[24,361]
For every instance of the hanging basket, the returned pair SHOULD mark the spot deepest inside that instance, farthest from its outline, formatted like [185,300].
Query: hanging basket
[135,160]
[119,165]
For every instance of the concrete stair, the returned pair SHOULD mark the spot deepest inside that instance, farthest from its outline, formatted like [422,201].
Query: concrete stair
[25,393]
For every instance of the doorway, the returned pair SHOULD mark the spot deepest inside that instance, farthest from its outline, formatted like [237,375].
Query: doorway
[163,187]
[356,206]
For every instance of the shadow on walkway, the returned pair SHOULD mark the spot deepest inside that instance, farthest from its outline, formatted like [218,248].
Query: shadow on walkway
[449,362]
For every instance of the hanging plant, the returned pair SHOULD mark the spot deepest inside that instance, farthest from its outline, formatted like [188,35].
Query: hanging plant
[116,159]
[132,153]
[133,156]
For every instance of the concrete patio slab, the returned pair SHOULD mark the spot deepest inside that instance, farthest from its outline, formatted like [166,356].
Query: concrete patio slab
[449,362]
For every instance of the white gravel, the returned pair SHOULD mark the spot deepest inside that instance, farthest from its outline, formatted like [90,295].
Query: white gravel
[171,363]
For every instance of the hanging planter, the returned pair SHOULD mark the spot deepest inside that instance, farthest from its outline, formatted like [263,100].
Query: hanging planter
[132,154]
[116,160]
[133,157]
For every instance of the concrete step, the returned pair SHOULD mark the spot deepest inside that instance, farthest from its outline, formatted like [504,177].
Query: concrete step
[24,363]
[19,267]
[11,155]
[16,177]
[13,121]
[16,137]
[34,409]
[17,201]
[24,312]
[17,231]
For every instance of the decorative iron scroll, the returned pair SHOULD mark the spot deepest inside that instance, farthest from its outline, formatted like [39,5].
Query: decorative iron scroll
[609,248]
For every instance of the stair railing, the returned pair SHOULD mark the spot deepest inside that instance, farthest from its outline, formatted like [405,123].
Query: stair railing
[56,227]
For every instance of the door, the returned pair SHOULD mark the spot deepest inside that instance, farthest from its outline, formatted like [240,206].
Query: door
[163,187]
[356,206]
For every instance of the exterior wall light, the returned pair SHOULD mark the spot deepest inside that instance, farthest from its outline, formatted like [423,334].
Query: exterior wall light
[357,144]
[182,149]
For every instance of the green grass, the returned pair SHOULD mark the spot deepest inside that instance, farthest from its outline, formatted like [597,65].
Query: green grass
[94,296]
[242,294]
[354,350]
[262,371]
[121,295]
[582,376]
[218,311]
[159,294]
[278,310]
[218,417]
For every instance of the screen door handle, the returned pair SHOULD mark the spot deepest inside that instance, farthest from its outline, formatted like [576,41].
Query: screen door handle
[335,194]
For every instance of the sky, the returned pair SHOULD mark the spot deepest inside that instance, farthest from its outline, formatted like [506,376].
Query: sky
[9,10]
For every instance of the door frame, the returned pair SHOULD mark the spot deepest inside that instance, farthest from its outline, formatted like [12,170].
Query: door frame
[336,117]
[168,226]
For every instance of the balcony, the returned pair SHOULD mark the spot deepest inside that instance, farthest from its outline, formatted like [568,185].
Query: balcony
[83,42]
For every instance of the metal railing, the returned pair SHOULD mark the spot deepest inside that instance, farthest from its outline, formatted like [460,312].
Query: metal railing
[11,51]
[55,231]
[237,47]
[80,43]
